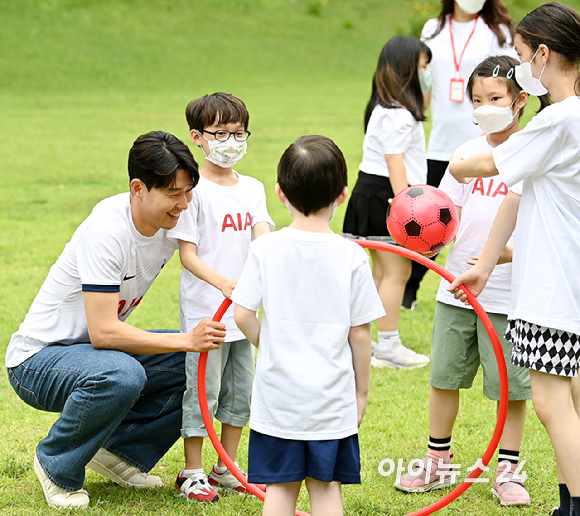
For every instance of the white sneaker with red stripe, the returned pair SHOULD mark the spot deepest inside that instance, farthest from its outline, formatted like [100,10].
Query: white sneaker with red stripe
[226,481]
[196,487]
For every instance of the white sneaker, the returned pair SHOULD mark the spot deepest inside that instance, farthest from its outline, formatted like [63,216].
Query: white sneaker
[57,497]
[397,356]
[121,472]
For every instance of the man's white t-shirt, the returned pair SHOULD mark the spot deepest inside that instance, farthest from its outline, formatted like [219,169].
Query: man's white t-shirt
[314,287]
[546,155]
[394,131]
[479,202]
[105,254]
[453,121]
[219,221]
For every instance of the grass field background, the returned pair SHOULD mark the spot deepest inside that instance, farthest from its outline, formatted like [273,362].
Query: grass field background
[81,79]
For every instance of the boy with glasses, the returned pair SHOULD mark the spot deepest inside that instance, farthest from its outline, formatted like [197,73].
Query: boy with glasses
[226,211]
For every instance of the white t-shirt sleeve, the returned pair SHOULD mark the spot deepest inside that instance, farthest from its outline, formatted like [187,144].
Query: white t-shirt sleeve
[248,291]
[365,303]
[396,130]
[453,188]
[260,213]
[531,151]
[187,227]
[100,256]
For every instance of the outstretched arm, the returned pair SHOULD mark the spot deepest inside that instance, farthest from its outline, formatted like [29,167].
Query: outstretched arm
[360,340]
[478,165]
[504,224]
[192,262]
[106,331]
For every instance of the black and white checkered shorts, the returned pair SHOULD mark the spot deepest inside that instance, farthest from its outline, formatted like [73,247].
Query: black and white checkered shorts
[542,349]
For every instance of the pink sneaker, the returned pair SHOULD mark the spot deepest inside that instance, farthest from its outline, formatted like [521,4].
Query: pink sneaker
[428,475]
[509,487]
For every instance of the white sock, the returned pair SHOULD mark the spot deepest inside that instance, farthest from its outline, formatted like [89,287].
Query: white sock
[198,473]
[221,469]
[388,339]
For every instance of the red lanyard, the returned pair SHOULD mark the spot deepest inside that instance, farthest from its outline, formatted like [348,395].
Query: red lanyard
[457,64]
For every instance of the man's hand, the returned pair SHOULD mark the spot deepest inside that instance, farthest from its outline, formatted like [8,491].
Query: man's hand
[207,335]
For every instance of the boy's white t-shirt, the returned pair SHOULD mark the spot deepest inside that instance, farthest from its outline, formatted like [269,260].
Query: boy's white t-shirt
[219,221]
[105,254]
[453,121]
[479,202]
[546,155]
[314,287]
[394,131]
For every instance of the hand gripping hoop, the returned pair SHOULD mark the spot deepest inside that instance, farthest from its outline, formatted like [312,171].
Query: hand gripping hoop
[503,380]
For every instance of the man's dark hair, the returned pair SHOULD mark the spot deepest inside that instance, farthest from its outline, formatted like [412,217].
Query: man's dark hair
[220,108]
[312,173]
[156,157]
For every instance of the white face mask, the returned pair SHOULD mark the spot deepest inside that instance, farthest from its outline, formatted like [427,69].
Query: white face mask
[225,154]
[470,6]
[527,81]
[492,119]
[425,80]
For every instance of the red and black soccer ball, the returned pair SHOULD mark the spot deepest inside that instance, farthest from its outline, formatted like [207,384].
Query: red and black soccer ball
[422,218]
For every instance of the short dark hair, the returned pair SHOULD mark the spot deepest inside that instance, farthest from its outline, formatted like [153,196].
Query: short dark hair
[499,67]
[221,107]
[156,157]
[312,173]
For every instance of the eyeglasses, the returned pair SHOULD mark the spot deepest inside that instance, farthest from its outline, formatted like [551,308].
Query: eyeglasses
[223,136]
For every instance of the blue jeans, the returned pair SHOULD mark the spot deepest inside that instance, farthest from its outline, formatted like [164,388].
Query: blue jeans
[128,404]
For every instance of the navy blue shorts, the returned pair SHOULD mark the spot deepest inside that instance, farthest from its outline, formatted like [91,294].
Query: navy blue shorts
[272,460]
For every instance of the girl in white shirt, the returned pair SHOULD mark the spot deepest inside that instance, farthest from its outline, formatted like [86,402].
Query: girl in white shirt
[393,158]
[464,33]
[544,318]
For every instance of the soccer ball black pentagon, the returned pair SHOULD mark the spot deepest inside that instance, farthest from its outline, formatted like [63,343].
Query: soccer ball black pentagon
[422,218]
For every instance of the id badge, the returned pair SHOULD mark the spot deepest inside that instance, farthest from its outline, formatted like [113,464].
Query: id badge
[457,90]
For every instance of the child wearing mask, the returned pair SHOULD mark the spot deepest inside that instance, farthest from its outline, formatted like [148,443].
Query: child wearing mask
[460,342]
[227,210]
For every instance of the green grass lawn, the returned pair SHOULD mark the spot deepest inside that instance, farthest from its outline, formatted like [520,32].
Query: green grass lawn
[81,79]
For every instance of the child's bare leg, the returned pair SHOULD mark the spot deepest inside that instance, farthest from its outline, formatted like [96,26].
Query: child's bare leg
[192,448]
[325,497]
[281,499]
[443,408]
[396,271]
[552,399]
[511,438]
[230,440]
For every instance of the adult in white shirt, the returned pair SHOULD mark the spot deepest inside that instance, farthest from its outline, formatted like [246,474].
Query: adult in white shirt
[118,389]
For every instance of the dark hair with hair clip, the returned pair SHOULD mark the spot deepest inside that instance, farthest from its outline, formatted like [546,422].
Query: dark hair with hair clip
[501,67]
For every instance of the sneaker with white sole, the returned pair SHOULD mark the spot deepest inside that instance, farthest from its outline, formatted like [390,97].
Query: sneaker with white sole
[397,356]
[509,487]
[57,497]
[196,487]
[121,472]
[228,482]
[427,475]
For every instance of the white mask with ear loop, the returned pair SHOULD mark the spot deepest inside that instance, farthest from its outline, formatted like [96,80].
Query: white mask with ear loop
[493,119]
[527,81]
[227,153]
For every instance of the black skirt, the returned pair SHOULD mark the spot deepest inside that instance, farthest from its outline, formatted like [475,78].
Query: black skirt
[366,212]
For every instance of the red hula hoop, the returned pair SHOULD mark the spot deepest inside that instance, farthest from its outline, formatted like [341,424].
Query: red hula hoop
[503,380]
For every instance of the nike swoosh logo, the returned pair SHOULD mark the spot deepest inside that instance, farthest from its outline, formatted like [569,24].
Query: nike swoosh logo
[127,277]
